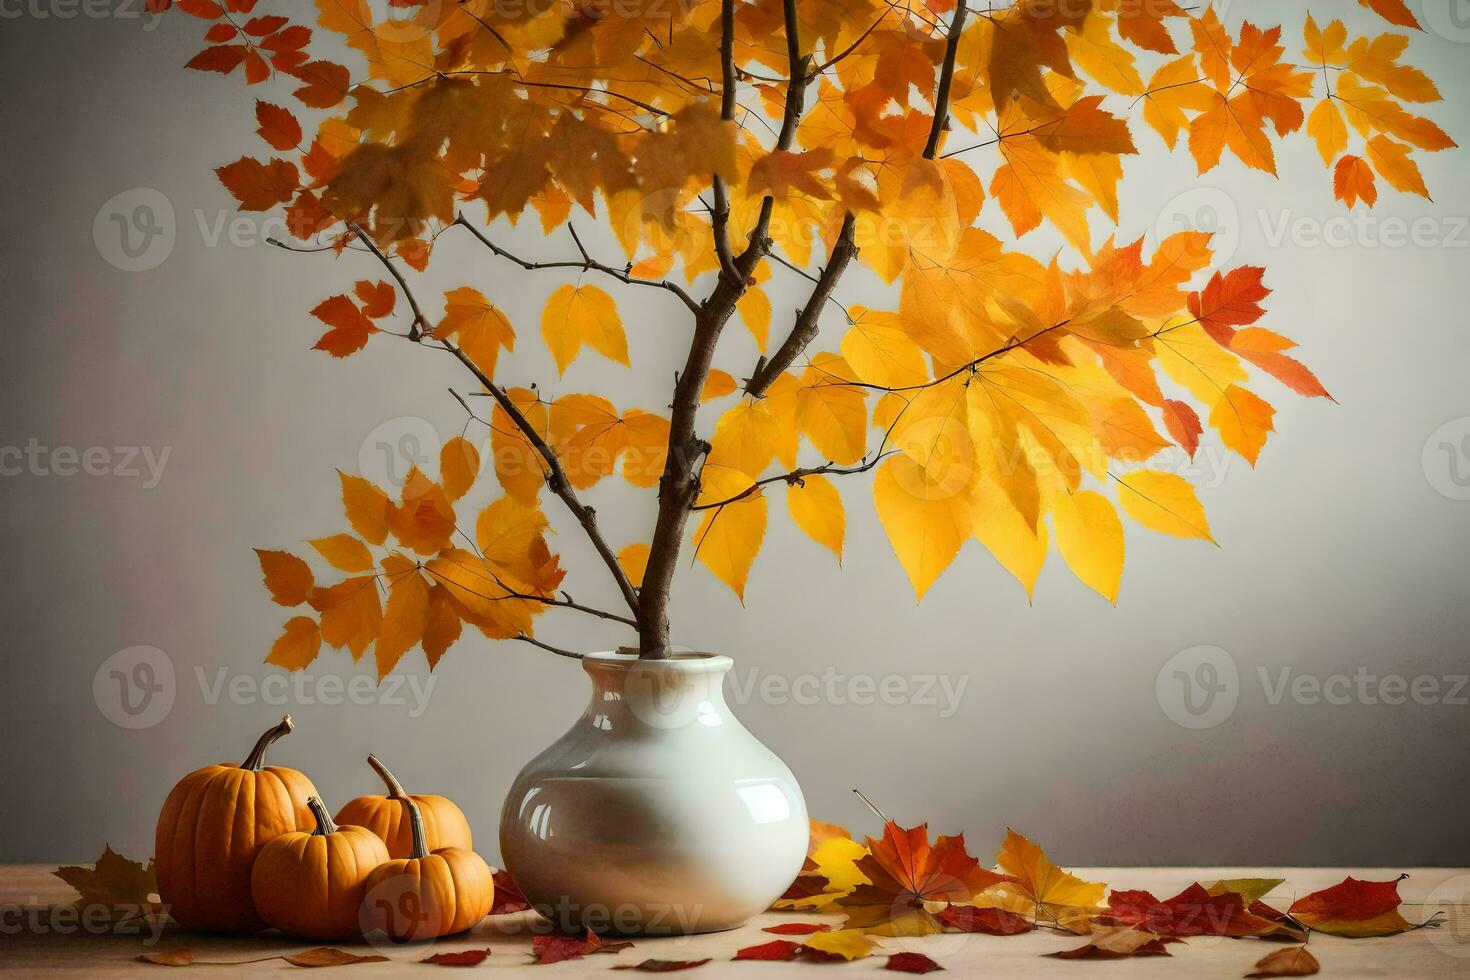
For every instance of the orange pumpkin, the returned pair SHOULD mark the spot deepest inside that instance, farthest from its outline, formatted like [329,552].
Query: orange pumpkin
[427,894]
[387,816]
[213,824]
[311,885]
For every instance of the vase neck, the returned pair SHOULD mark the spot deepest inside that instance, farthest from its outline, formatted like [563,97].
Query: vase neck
[686,689]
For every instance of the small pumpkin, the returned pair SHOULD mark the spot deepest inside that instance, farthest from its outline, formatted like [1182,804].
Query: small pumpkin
[311,885]
[214,823]
[427,894]
[387,816]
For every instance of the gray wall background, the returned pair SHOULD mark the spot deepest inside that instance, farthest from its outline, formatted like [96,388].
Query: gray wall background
[1345,551]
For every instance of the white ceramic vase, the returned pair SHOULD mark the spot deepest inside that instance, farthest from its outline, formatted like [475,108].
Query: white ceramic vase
[657,813]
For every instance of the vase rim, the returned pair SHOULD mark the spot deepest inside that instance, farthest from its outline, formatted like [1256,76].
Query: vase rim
[682,661]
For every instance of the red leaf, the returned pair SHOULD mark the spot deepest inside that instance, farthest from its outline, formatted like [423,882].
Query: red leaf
[990,922]
[261,26]
[307,218]
[1353,908]
[292,38]
[508,897]
[256,69]
[911,963]
[1193,912]
[326,84]
[278,126]
[662,966]
[259,186]
[223,58]
[1183,424]
[220,33]
[378,298]
[1394,11]
[776,949]
[555,949]
[203,9]
[350,329]
[469,957]
[797,928]
[1232,300]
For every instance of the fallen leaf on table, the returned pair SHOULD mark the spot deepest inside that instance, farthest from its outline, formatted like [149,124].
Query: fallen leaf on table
[988,922]
[555,949]
[797,928]
[1040,890]
[169,957]
[911,963]
[830,869]
[904,872]
[1252,891]
[1193,912]
[469,957]
[849,944]
[1295,962]
[125,888]
[1116,942]
[775,950]
[1354,908]
[662,966]
[508,896]
[327,956]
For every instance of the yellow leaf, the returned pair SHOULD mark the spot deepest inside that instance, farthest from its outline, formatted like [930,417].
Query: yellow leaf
[298,645]
[850,944]
[406,616]
[1042,890]
[647,450]
[717,385]
[830,412]
[926,524]
[634,560]
[345,552]
[1326,126]
[1243,420]
[1164,502]
[729,537]
[366,507]
[518,466]
[577,315]
[1090,538]
[459,464]
[746,437]
[1095,52]
[1393,163]
[481,329]
[351,613]
[1002,529]
[816,506]
[880,352]
[1189,356]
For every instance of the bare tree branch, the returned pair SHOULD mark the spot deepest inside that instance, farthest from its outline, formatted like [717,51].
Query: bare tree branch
[420,325]
[946,81]
[587,263]
[524,638]
[720,216]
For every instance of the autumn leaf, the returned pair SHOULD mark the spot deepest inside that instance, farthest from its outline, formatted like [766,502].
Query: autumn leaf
[985,921]
[816,507]
[345,552]
[1163,502]
[1353,181]
[798,928]
[260,186]
[508,895]
[1116,942]
[122,887]
[298,645]
[634,562]
[904,871]
[1396,12]
[480,329]
[775,950]
[468,957]
[662,966]
[578,315]
[350,328]
[278,126]
[287,577]
[730,533]
[911,963]
[1193,912]
[556,948]
[459,464]
[1295,962]
[327,956]
[845,944]
[1040,890]
[1353,908]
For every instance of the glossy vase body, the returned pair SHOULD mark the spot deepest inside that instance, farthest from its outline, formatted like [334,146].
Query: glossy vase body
[658,812]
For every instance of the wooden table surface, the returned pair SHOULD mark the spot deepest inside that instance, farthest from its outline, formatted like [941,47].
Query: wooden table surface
[34,943]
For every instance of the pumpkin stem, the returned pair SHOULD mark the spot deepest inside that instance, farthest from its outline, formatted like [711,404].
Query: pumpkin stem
[324,823]
[256,759]
[395,788]
[416,822]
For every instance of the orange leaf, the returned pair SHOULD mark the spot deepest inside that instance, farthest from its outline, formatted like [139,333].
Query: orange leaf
[298,645]
[459,464]
[366,507]
[350,329]
[287,577]
[260,186]
[377,298]
[1396,12]
[278,126]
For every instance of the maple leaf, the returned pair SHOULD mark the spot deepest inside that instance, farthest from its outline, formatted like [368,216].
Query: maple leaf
[350,327]
[260,186]
[986,921]
[122,888]
[1353,908]
[577,315]
[904,872]
[1038,889]
[479,327]
[1193,912]
[557,949]
[1116,942]
[508,895]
